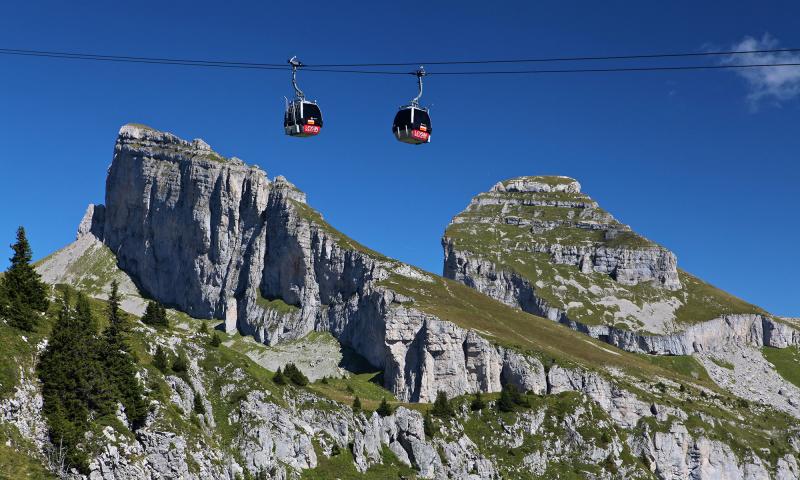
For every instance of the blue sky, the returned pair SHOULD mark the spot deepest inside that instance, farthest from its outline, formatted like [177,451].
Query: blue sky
[705,163]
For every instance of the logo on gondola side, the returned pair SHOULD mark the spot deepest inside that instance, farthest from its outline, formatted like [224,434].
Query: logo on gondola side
[420,135]
[310,129]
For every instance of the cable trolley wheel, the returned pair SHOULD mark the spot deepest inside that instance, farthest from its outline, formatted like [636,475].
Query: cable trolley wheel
[412,123]
[302,117]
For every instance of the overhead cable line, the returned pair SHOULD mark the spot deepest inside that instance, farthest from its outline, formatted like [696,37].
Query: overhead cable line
[93,56]
[564,59]
[149,60]
[330,69]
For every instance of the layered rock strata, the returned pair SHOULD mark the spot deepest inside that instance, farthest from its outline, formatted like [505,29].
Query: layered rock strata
[511,243]
[217,239]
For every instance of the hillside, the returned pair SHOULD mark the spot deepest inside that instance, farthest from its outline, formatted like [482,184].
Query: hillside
[220,242]
[540,244]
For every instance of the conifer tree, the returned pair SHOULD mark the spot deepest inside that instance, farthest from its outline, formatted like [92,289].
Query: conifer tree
[162,315]
[160,359]
[356,404]
[22,292]
[155,315]
[506,401]
[215,340]
[295,375]
[427,425]
[199,408]
[477,403]
[441,406]
[180,365]
[120,363]
[278,378]
[74,383]
[384,409]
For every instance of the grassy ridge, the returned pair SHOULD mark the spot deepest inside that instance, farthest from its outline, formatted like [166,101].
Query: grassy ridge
[467,308]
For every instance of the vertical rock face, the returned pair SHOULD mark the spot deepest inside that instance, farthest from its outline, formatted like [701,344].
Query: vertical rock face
[217,239]
[180,218]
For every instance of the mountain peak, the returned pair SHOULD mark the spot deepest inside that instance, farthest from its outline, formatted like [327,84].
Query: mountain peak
[539,183]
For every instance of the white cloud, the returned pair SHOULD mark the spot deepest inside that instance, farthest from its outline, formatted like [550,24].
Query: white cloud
[767,84]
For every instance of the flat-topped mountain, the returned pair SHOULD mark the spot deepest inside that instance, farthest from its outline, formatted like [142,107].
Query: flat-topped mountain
[519,395]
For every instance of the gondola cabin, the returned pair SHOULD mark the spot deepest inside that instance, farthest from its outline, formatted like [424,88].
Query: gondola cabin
[302,119]
[412,124]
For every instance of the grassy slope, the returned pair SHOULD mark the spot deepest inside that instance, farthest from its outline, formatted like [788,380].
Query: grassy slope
[452,301]
[786,362]
[16,460]
[341,467]
[501,244]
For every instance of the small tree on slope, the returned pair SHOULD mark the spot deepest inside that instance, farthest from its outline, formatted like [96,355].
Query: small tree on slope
[22,293]
[120,363]
[75,387]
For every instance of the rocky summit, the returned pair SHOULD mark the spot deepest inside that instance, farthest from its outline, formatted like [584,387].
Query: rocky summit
[647,372]
[540,244]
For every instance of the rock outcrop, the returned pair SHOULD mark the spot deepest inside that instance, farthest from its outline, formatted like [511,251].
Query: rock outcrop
[538,244]
[217,239]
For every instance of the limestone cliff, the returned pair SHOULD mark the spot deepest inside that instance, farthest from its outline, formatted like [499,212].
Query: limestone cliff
[539,244]
[216,238]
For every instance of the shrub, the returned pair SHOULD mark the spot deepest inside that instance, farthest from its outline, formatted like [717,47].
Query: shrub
[356,404]
[384,409]
[427,424]
[180,365]
[441,406]
[198,404]
[279,378]
[295,375]
[155,315]
[477,403]
[510,397]
[160,359]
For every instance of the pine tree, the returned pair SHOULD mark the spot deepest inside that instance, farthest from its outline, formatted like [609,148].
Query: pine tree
[215,340]
[203,328]
[180,365]
[120,363]
[162,316]
[384,409]
[295,375]
[149,317]
[279,378]
[75,387]
[356,404]
[199,408]
[23,292]
[477,403]
[441,406]
[506,401]
[155,315]
[427,425]
[160,359]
